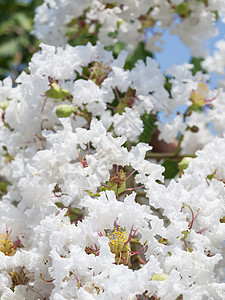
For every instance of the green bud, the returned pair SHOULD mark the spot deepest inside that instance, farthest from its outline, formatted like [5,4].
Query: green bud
[222,220]
[163,241]
[4,104]
[160,277]
[184,163]
[183,9]
[4,183]
[57,92]
[63,111]
[194,129]
[119,22]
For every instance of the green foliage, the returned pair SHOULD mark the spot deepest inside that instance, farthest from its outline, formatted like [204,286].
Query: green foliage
[196,62]
[115,48]
[149,126]
[4,183]
[168,85]
[77,32]
[139,53]
[171,168]
[16,43]
[204,1]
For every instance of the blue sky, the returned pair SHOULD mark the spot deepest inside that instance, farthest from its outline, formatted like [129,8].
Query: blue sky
[177,53]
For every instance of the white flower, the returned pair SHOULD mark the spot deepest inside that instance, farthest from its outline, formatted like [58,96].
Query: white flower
[128,124]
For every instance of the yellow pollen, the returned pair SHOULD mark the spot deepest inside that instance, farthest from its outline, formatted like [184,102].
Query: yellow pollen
[6,244]
[119,246]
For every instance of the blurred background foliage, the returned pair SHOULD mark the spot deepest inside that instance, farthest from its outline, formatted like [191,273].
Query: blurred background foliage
[16,43]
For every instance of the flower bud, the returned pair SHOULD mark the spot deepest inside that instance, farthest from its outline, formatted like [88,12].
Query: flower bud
[57,92]
[194,129]
[183,164]
[64,111]
[4,104]
[183,9]
[160,277]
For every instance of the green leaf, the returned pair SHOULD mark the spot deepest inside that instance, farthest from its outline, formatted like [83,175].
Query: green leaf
[4,185]
[196,62]
[8,46]
[116,48]
[149,126]
[24,21]
[115,187]
[171,168]
[139,53]
[211,176]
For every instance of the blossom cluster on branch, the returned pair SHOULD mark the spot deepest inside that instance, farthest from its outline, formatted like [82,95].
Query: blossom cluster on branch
[100,198]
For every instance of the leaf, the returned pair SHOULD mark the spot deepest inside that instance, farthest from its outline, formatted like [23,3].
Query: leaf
[9,46]
[149,126]
[171,168]
[196,62]
[139,53]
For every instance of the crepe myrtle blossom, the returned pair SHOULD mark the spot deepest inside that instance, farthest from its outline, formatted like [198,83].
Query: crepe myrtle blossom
[127,21]
[80,83]
[87,210]
[215,62]
[81,163]
[92,215]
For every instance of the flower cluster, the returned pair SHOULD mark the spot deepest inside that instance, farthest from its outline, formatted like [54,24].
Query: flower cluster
[99,197]
[57,21]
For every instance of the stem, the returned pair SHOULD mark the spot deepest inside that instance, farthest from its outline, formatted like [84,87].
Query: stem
[179,144]
[192,214]
[135,188]
[117,95]
[186,246]
[112,107]
[141,260]
[201,230]
[174,155]
[89,148]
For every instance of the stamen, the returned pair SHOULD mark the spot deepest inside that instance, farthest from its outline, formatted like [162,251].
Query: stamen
[117,95]
[130,174]
[45,279]
[89,148]
[135,188]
